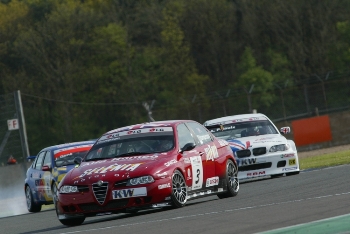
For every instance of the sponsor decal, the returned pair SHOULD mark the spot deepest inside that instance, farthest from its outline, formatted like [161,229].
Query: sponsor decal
[287,155]
[203,137]
[110,168]
[187,160]
[170,162]
[211,153]
[212,181]
[289,169]
[209,192]
[133,192]
[256,173]
[222,142]
[119,133]
[167,198]
[149,157]
[220,189]
[163,186]
[249,161]
[70,150]
[156,130]
[292,162]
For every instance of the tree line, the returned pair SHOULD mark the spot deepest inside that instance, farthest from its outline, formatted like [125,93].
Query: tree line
[86,66]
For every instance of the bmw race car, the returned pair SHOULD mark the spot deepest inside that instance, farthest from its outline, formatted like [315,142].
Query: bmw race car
[144,166]
[260,149]
[47,170]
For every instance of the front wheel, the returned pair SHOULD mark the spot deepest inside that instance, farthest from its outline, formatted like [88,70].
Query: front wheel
[179,190]
[232,180]
[31,206]
[69,221]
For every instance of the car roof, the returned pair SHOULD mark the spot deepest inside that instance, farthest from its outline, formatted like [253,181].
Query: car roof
[224,120]
[163,123]
[65,145]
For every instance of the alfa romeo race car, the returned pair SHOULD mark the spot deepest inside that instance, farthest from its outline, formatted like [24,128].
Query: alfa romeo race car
[48,168]
[143,166]
[260,149]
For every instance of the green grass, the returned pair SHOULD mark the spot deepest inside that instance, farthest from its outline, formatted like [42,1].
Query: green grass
[325,160]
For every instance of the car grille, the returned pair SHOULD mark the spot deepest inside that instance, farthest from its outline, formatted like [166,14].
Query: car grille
[243,153]
[246,153]
[259,151]
[115,204]
[255,166]
[100,192]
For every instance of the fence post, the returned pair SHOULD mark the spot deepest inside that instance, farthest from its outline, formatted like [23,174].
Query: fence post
[22,129]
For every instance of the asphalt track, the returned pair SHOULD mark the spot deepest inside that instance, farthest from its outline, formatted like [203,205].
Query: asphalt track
[316,201]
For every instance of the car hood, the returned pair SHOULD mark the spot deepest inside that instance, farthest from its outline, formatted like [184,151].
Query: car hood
[256,141]
[117,169]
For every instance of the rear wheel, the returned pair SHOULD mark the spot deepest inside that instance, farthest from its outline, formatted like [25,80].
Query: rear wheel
[54,193]
[31,206]
[179,190]
[232,180]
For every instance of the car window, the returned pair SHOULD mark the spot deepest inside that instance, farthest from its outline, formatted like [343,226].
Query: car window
[38,163]
[47,159]
[184,135]
[244,129]
[135,142]
[201,132]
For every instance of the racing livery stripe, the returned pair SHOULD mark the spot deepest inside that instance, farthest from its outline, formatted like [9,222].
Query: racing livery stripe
[86,148]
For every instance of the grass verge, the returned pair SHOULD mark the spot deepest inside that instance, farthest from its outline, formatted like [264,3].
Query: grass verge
[325,160]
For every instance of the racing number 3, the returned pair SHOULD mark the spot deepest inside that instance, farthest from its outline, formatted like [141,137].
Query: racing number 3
[198,174]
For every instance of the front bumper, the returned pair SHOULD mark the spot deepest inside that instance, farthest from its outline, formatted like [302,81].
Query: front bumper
[268,164]
[85,203]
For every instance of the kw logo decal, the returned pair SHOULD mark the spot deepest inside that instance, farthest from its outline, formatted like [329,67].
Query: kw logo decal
[249,161]
[123,193]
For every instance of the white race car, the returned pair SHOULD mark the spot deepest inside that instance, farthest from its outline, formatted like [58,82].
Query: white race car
[260,149]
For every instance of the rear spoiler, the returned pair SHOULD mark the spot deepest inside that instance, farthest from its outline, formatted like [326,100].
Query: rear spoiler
[215,126]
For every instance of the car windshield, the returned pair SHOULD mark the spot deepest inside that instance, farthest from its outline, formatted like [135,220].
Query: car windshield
[244,129]
[68,159]
[131,145]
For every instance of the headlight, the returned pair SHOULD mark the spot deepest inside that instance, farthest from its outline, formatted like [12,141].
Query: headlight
[68,189]
[282,147]
[140,180]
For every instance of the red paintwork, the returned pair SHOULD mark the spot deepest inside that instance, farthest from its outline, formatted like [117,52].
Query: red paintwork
[120,169]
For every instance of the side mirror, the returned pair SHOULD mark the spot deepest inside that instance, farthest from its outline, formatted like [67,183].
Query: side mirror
[285,130]
[77,160]
[188,147]
[45,168]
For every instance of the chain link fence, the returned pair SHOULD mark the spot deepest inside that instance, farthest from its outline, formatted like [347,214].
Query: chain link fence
[316,95]
[13,147]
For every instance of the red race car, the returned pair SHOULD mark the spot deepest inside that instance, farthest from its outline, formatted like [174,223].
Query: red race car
[149,165]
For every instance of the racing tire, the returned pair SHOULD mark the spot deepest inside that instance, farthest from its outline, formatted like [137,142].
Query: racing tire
[54,192]
[232,180]
[293,173]
[72,222]
[31,206]
[179,190]
[277,175]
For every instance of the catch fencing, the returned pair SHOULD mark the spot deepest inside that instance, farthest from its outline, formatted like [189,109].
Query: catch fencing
[13,139]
